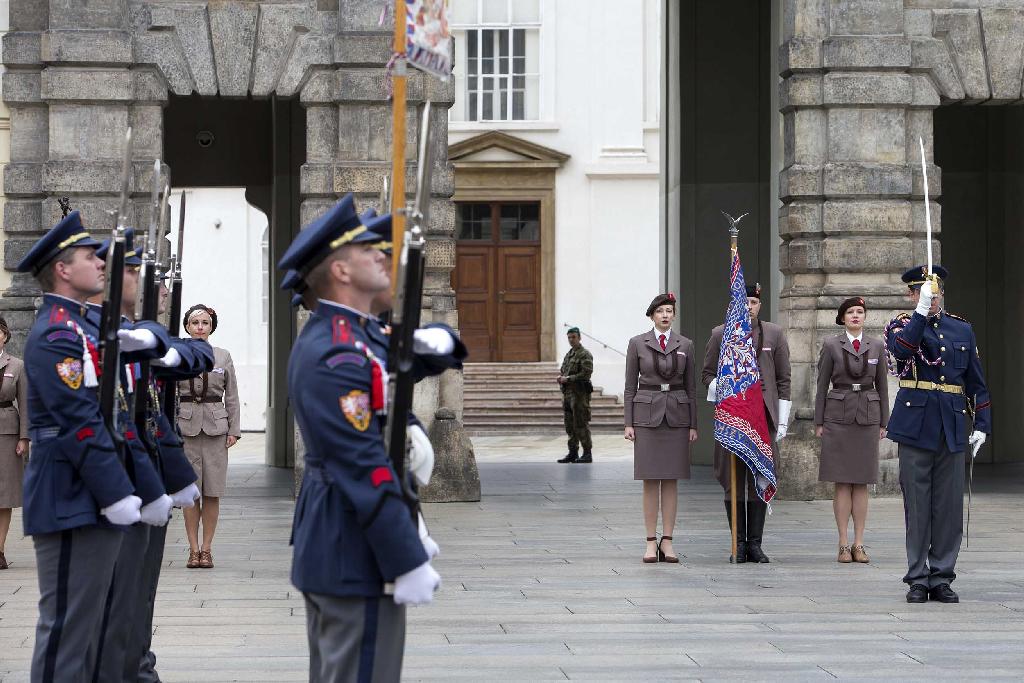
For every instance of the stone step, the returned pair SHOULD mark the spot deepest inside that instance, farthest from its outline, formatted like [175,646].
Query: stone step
[535,401]
[520,416]
[517,385]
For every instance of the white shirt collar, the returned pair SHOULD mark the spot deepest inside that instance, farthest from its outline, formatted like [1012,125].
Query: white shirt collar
[361,314]
[667,333]
[859,337]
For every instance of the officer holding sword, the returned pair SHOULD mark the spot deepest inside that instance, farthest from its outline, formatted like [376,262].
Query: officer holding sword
[935,354]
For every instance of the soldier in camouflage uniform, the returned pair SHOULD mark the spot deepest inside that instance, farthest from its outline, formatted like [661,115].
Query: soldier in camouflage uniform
[574,377]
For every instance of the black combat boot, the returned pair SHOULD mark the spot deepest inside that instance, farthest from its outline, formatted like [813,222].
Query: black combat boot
[587,457]
[572,456]
[756,511]
[741,533]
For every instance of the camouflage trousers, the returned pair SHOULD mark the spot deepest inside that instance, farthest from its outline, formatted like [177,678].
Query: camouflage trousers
[576,413]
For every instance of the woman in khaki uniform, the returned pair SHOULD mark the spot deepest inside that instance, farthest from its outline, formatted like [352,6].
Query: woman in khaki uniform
[661,419]
[13,435]
[208,418]
[851,409]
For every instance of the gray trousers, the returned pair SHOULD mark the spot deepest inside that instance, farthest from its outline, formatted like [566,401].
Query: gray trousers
[933,504]
[354,640]
[123,608]
[75,568]
[142,635]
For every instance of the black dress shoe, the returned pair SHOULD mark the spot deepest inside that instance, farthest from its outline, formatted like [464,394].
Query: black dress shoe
[570,457]
[917,593]
[585,458]
[943,593]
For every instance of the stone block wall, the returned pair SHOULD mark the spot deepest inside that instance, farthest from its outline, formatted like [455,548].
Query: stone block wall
[860,81]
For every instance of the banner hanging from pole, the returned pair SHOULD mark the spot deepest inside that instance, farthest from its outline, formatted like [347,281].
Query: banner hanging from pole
[740,422]
[428,39]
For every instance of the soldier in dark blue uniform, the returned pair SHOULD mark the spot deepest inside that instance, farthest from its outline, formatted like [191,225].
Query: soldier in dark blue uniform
[935,355]
[76,488]
[358,557]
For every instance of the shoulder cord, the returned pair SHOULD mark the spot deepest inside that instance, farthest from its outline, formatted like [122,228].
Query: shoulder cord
[863,366]
[656,356]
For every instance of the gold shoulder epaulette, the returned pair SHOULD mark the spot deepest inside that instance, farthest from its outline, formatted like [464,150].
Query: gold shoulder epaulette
[957,317]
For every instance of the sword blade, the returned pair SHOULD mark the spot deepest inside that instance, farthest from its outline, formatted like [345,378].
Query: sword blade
[970,495]
[927,205]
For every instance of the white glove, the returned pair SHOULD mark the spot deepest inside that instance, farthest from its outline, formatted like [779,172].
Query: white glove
[713,390]
[429,545]
[158,512]
[186,497]
[785,407]
[924,304]
[421,456]
[977,440]
[136,340]
[171,359]
[417,587]
[432,341]
[124,511]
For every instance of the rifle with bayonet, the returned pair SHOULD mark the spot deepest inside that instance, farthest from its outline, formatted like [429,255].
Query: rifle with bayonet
[405,320]
[170,402]
[148,302]
[110,316]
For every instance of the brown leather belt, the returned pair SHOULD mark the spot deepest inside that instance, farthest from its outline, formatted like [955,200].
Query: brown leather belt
[6,404]
[198,399]
[662,387]
[855,387]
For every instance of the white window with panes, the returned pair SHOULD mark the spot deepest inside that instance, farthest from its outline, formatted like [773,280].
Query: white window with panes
[497,60]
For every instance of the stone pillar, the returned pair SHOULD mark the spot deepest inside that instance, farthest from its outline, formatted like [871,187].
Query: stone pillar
[852,218]
[23,208]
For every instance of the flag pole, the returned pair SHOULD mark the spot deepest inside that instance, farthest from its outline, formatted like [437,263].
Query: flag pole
[734,234]
[398,108]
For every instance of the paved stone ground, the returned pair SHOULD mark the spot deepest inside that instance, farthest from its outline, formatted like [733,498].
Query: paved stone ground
[543,581]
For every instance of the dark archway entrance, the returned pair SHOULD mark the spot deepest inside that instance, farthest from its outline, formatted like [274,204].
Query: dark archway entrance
[719,158]
[981,153]
[260,145]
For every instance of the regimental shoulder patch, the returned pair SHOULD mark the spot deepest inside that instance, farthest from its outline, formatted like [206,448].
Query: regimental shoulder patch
[350,357]
[62,334]
[341,333]
[380,475]
[70,372]
[356,407]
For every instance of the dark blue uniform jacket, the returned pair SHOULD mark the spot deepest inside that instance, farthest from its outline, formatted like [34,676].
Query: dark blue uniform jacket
[352,530]
[922,417]
[74,470]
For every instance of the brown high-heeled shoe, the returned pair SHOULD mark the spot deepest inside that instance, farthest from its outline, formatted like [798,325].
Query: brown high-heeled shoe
[193,559]
[844,555]
[647,559]
[662,557]
[859,555]
[205,559]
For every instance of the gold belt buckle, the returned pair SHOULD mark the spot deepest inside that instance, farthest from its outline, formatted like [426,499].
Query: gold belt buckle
[664,387]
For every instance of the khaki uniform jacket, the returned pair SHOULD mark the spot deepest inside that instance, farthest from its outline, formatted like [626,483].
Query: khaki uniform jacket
[773,363]
[14,419]
[213,419]
[846,406]
[647,408]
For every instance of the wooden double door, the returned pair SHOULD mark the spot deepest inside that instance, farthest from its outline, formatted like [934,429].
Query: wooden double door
[497,280]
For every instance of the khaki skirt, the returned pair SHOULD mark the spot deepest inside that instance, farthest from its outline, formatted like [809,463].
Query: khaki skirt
[849,453]
[209,458]
[12,471]
[661,452]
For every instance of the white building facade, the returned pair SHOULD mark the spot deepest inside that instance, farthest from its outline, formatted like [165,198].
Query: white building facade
[563,99]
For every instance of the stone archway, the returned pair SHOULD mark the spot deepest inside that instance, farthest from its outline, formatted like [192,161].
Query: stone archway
[860,83]
[77,74]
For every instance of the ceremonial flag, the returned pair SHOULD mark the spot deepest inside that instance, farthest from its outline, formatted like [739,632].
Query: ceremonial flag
[428,39]
[740,422]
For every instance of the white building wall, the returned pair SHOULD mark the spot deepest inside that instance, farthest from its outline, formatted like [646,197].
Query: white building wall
[600,89]
[224,267]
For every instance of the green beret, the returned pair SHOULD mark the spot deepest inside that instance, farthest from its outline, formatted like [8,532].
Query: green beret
[573,330]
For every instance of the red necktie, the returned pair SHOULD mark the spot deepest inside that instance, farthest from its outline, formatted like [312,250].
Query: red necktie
[856,345]
[661,338]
